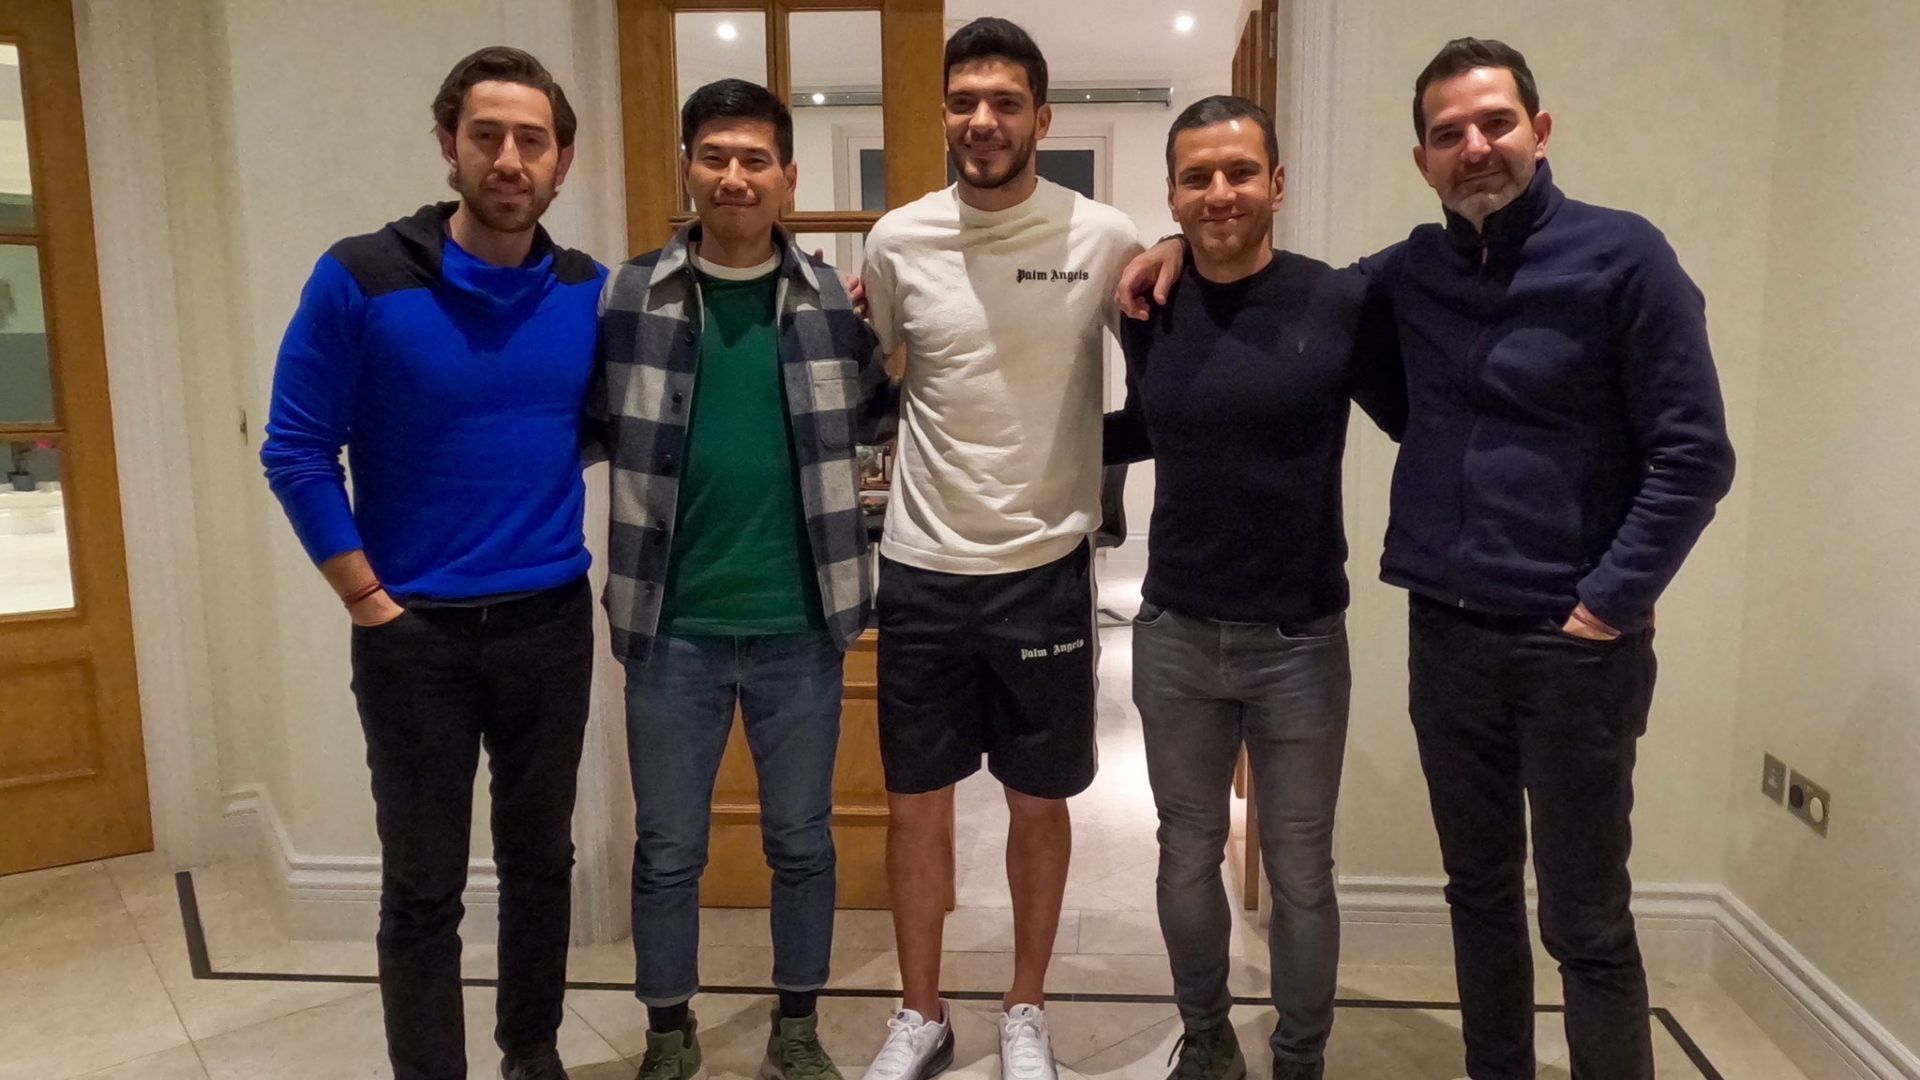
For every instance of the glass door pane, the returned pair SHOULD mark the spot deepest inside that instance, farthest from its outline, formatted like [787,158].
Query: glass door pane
[712,45]
[36,572]
[26,368]
[834,60]
[16,185]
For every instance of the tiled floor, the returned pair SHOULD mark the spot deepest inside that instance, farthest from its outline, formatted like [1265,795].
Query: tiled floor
[96,981]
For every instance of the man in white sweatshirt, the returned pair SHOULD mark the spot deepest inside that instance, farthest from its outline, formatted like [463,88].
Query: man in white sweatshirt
[999,288]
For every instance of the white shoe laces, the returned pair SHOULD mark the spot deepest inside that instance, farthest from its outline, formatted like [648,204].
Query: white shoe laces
[1024,1047]
[902,1046]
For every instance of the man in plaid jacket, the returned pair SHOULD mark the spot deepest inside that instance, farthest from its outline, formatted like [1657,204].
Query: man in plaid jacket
[736,380]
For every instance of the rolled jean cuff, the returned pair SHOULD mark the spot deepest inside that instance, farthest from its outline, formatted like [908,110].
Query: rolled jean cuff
[664,1000]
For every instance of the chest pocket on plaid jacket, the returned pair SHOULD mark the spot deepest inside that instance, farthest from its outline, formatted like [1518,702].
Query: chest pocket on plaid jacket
[833,386]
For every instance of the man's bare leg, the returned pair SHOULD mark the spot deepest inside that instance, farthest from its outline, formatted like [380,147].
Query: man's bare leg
[920,874]
[1039,847]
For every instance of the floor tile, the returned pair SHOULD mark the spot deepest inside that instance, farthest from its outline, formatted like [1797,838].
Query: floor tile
[49,912]
[82,1009]
[208,1007]
[344,1039]
[180,1063]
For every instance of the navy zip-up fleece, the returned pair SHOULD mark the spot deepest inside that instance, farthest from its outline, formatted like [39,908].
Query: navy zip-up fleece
[1566,440]
[457,387]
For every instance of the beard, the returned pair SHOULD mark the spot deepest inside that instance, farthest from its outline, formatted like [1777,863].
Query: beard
[1478,205]
[1021,154]
[490,212]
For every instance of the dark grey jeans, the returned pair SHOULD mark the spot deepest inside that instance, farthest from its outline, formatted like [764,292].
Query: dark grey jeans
[1204,688]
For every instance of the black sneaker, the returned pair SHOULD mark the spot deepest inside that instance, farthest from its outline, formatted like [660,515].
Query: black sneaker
[1208,1054]
[544,1067]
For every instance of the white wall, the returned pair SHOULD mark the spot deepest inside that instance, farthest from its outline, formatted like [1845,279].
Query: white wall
[1652,103]
[276,148]
[221,382]
[272,149]
[1828,680]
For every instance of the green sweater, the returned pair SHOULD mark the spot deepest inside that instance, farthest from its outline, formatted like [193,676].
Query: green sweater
[741,565]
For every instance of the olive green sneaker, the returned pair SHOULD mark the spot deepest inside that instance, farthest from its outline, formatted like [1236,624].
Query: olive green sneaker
[672,1055]
[1208,1054]
[1299,1070]
[794,1051]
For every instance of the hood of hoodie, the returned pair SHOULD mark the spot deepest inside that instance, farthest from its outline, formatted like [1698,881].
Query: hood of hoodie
[423,239]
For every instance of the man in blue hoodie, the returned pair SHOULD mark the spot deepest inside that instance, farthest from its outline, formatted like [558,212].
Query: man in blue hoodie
[450,352]
[1565,448]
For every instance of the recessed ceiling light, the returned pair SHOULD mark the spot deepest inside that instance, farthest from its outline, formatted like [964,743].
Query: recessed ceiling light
[819,99]
[1183,24]
[726,31]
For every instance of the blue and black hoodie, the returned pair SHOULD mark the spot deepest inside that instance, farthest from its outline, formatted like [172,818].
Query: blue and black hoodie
[457,388]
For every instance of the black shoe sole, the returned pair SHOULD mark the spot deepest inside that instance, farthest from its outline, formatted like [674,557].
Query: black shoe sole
[942,1059]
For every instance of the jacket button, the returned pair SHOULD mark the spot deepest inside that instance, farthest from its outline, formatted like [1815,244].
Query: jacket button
[692,337]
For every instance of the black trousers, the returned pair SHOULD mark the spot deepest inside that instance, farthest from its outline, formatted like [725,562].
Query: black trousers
[1514,717]
[433,686]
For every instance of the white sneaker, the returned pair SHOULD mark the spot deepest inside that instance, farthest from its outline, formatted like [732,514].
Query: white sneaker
[1026,1052]
[916,1048]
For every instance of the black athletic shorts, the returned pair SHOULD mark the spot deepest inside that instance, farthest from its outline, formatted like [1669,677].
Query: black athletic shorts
[993,664]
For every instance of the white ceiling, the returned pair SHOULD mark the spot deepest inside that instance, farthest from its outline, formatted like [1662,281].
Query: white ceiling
[1086,42]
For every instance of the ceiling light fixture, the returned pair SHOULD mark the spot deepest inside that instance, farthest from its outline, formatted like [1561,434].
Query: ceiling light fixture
[1183,24]
[819,99]
[726,31]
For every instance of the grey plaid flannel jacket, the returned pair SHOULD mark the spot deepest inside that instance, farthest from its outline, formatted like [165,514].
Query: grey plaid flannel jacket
[837,392]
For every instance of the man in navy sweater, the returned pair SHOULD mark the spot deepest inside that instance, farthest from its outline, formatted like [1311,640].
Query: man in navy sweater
[1565,448]
[1239,390]
[451,353]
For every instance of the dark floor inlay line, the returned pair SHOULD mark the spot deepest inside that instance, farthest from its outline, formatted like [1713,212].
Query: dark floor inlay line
[203,969]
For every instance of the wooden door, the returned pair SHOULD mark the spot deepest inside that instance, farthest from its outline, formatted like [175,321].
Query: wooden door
[1256,72]
[778,43]
[73,782]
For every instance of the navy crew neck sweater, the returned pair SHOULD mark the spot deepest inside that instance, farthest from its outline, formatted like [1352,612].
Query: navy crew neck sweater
[1239,392]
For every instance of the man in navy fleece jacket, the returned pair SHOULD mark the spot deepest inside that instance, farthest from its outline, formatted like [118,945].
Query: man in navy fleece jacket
[451,352]
[1565,448]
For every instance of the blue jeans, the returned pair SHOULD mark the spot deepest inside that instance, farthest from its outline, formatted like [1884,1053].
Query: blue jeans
[680,706]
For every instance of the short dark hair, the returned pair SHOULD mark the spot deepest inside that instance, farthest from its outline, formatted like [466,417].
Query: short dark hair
[1219,109]
[1462,55]
[502,63]
[997,39]
[736,99]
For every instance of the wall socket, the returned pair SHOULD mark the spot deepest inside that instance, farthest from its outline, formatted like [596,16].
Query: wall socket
[1809,802]
[1773,778]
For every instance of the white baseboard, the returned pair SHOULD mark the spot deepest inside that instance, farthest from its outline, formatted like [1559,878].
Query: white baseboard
[1825,1032]
[1403,921]
[1685,930]
[337,897]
